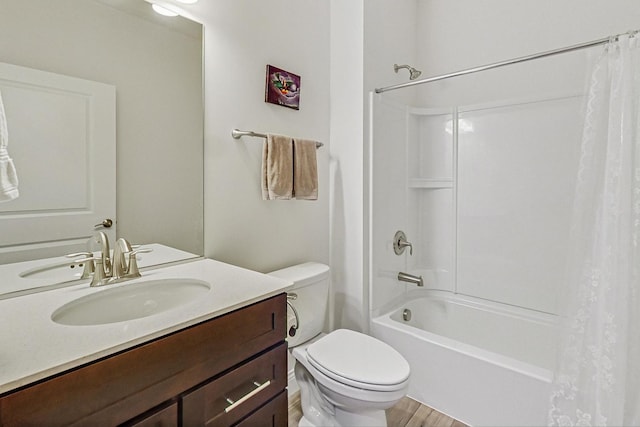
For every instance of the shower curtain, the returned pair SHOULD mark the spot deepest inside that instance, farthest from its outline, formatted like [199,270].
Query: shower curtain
[597,380]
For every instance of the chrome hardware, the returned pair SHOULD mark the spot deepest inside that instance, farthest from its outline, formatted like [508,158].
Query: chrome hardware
[400,243]
[237,134]
[294,328]
[106,223]
[120,266]
[105,253]
[406,314]
[132,268]
[410,278]
[124,268]
[99,276]
[117,268]
[89,266]
[233,404]
[413,73]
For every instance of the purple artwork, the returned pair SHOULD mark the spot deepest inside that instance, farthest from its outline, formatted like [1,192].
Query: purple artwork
[282,88]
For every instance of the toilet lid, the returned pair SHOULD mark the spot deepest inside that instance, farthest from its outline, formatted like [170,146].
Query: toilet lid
[359,360]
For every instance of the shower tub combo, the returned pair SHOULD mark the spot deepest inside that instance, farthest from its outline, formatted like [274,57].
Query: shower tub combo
[480,362]
[480,175]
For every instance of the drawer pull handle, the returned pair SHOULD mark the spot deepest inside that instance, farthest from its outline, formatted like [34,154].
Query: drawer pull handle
[235,404]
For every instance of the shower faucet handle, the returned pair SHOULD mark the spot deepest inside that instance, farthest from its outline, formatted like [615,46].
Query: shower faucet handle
[400,243]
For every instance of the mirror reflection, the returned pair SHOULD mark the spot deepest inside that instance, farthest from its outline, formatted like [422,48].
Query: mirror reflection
[104,111]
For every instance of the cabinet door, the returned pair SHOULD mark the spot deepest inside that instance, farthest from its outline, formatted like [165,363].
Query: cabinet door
[233,396]
[273,414]
[166,416]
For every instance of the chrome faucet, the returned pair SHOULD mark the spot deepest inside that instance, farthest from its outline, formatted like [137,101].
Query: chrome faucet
[109,270]
[105,251]
[120,266]
[410,278]
[123,268]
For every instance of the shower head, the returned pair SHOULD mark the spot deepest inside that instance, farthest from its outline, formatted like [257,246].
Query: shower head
[413,73]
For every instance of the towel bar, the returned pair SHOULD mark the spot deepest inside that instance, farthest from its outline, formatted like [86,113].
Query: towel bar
[237,134]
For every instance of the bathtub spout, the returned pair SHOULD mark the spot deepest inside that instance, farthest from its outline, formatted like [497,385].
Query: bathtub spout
[410,278]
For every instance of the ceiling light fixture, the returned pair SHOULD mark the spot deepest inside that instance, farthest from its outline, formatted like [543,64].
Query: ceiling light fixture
[187,1]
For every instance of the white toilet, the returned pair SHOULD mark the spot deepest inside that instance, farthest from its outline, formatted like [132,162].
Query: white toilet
[346,378]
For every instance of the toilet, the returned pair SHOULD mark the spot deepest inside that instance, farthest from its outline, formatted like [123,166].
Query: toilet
[346,378]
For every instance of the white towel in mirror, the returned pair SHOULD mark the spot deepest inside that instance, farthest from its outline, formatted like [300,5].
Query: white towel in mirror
[8,176]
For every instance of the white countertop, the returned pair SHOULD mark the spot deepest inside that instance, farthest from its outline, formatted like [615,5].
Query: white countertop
[33,347]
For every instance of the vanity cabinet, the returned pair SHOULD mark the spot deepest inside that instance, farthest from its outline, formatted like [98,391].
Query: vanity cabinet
[230,370]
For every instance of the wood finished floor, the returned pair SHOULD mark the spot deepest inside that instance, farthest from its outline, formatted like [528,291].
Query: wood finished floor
[406,413]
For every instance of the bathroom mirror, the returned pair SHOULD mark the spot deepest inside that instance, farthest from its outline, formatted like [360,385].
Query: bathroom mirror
[154,63]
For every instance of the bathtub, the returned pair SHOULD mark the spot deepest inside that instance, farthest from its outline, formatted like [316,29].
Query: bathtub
[482,363]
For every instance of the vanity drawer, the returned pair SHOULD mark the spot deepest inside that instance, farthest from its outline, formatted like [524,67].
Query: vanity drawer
[231,397]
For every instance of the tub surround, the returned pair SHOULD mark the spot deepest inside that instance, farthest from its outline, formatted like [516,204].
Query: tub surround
[36,347]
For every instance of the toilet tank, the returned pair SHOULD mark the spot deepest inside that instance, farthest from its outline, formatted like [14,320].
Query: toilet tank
[311,287]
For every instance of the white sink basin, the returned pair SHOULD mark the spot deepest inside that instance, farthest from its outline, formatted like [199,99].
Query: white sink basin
[130,301]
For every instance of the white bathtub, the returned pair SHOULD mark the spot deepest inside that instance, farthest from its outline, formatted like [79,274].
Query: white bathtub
[483,363]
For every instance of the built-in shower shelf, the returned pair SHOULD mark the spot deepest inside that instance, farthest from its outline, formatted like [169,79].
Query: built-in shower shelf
[430,183]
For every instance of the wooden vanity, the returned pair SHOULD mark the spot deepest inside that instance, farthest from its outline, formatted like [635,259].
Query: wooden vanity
[230,370]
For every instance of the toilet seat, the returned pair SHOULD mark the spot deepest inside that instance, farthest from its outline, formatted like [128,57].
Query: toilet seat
[358,360]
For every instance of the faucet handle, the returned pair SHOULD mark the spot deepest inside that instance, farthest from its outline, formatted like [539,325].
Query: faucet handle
[99,275]
[400,243]
[87,259]
[132,269]
[82,254]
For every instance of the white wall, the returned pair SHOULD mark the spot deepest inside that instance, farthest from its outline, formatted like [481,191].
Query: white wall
[467,33]
[367,38]
[464,34]
[347,114]
[241,38]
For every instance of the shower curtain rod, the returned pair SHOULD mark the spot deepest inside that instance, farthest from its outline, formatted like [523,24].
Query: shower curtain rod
[504,63]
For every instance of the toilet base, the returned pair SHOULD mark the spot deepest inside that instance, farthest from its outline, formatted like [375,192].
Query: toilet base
[373,419]
[304,422]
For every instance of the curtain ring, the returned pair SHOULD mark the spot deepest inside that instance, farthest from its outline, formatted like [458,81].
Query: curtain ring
[610,43]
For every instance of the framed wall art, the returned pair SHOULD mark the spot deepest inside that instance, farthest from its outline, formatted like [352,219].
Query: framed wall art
[282,88]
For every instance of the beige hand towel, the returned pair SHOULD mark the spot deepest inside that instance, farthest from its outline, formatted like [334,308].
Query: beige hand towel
[277,168]
[305,170]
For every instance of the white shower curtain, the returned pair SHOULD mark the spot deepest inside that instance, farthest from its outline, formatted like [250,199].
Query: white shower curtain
[597,380]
